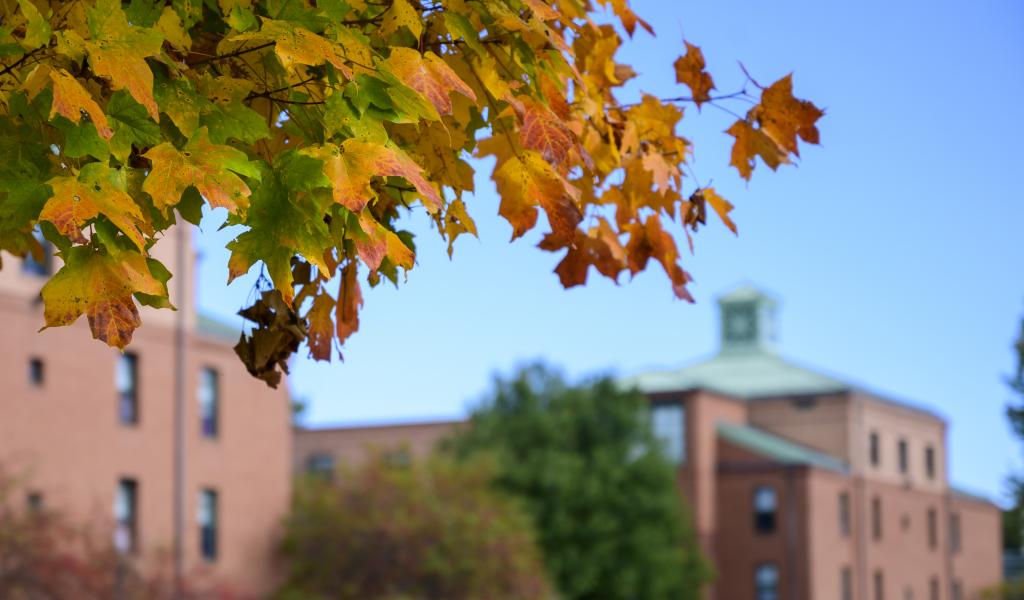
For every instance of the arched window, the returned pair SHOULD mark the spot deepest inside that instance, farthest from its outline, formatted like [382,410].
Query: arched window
[765,505]
[766,582]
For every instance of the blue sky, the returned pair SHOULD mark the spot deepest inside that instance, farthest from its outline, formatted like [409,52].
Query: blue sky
[895,247]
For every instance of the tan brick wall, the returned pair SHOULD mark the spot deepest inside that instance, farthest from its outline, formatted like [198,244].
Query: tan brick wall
[352,445]
[66,438]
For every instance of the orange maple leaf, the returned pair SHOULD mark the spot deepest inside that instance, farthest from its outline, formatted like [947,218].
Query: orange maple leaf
[784,118]
[429,75]
[690,70]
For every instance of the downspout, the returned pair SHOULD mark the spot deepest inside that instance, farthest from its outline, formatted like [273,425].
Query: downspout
[180,325]
[860,502]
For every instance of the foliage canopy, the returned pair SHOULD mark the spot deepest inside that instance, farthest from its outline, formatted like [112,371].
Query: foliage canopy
[317,124]
[435,529]
[610,520]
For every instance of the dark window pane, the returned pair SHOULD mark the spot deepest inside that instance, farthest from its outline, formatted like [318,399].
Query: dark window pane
[765,506]
[875,451]
[668,423]
[321,465]
[34,501]
[929,462]
[902,449]
[844,514]
[126,516]
[954,532]
[128,388]
[766,582]
[209,402]
[208,524]
[36,372]
[876,517]
[933,528]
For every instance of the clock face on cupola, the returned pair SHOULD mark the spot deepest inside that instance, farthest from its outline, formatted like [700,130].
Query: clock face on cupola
[746,320]
[740,323]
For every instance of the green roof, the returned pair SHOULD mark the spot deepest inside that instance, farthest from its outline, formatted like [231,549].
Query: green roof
[777,448]
[214,327]
[742,375]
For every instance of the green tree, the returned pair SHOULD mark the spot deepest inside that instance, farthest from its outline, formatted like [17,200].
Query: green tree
[431,531]
[1013,519]
[610,519]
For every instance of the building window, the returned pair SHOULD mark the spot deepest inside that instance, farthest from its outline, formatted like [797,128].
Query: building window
[901,449]
[875,449]
[209,402]
[954,532]
[36,371]
[844,514]
[933,528]
[929,462]
[34,502]
[958,590]
[846,583]
[668,423]
[126,516]
[208,524]
[127,378]
[876,518]
[766,582]
[321,465]
[879,585]
[765,505]
[933,588]
[41,267]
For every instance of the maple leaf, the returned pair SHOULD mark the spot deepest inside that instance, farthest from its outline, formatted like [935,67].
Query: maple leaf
[118,51]
[374,242]
[100,285]
[544,131]
[690,71]
[429,75]
[721,206]
[321,328]
[295,44]
[456,222]
[71,100]
[600,247]
[277,336]
[784,118]
[37,27]
[750,143]
[650,240]
[399,15]
[352,167]
[629,18]
[523,183]
[282,224]
[350,300]
[96,190]
[211,168]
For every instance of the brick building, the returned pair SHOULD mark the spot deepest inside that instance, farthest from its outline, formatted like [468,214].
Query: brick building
[802,486]
[91,431]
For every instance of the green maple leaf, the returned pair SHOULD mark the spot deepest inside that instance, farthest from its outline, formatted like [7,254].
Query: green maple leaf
[281,225]
[131,125]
